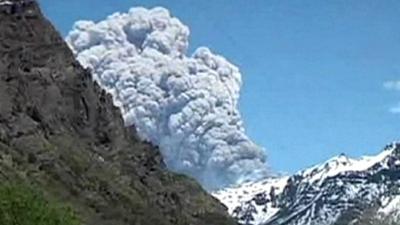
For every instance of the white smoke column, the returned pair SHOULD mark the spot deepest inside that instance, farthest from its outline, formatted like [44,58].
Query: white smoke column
[186,105]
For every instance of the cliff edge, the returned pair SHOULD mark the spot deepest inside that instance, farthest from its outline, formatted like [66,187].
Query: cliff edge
[61,133]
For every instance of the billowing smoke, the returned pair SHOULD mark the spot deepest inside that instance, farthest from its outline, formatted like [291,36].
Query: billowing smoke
[186,105]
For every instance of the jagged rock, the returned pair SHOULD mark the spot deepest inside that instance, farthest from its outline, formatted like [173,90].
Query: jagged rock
[341,191]
[60,132]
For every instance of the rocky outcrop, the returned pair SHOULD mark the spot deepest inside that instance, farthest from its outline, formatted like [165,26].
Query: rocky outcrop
[60,132]
[341,191]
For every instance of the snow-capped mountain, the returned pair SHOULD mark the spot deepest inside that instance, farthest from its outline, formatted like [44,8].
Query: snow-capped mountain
[337,192]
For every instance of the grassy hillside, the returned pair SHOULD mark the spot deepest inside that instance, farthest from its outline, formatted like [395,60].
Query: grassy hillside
[23,205]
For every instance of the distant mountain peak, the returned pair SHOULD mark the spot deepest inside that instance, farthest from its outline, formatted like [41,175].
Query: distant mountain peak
[340,189]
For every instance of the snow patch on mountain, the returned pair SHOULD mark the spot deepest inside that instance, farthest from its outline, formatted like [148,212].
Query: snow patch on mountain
[322,194]
[341,164]
[261,195]
[390,206]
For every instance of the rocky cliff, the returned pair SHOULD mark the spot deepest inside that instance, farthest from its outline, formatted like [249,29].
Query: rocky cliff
[61,133]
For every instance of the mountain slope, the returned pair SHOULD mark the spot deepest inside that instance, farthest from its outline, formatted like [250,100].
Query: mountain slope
[339,191]
[60,132]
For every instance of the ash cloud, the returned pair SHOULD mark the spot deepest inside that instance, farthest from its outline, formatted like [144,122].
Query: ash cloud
[187,105]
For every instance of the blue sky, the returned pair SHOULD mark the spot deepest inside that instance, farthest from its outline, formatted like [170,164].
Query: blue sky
[313,71]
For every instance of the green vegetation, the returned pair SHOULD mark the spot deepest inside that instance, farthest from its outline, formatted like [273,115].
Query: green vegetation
[21,205]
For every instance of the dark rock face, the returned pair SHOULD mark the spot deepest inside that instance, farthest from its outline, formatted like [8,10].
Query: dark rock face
[61,132]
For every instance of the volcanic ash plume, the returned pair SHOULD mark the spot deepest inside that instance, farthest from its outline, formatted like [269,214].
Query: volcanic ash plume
[186,105]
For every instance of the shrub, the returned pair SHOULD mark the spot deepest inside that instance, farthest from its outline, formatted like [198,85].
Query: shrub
[21,205]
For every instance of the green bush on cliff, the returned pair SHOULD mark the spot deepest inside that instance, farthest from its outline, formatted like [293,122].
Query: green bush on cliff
[21,205]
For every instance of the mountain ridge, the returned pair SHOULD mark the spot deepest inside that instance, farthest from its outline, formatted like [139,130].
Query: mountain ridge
[323,194]
[60,132]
